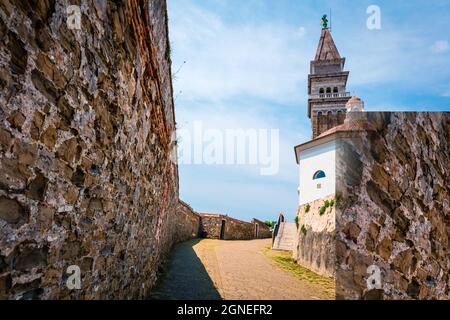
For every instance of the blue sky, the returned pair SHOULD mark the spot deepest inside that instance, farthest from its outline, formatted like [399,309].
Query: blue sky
[246,66]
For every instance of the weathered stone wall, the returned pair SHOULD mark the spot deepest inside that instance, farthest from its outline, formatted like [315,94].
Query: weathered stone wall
[395,213]
[235,229]
[263,229]
[187,223]
[316,236]
[85,124]
[238,230]
[210,226]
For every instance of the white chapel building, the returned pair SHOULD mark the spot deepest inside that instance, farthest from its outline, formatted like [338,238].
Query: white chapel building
[317,157]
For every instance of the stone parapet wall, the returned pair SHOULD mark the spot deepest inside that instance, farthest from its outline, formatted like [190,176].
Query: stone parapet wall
[395,212]
[85,172]
[316,236]
[187,223]
[263,230]
[211,225]
[238,230]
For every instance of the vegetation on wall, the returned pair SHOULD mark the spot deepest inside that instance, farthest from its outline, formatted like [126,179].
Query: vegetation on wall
[322,210]
[327,204]
[303,229]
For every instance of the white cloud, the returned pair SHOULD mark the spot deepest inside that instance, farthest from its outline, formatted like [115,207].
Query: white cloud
[241,199]
[269,58]
[440,46]
[301,31]
[240,189]
[222,116]
[380,57]
[225,60]
[231,73]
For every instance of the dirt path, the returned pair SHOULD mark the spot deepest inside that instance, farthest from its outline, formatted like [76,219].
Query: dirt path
[214,269]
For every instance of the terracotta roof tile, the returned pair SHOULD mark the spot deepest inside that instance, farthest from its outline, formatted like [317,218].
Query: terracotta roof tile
[348,126]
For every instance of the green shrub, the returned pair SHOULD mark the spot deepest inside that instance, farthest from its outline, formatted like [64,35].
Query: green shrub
[303,229]
[326,203]
[307,208]
[322,210]
[332,203]
[296,221]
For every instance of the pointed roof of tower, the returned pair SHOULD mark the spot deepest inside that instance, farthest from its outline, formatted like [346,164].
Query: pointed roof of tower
[327,49]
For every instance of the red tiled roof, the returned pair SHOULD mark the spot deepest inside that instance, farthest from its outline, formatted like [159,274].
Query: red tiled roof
[348,126]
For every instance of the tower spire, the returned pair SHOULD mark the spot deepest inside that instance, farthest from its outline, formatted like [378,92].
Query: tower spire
[327,83]
[326,50]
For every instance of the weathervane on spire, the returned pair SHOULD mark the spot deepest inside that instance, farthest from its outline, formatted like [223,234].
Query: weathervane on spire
[324,22]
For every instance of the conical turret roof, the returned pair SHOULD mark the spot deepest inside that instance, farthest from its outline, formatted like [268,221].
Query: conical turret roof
[327,49]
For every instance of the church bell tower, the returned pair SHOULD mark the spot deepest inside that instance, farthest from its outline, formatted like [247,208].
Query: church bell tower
[327,83]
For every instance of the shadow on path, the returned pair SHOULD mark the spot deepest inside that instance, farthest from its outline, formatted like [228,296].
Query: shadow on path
[185,277]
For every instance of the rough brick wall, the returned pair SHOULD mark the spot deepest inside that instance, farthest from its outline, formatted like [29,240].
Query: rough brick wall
[395,213]
[314,248]
[187,223]
[85,124]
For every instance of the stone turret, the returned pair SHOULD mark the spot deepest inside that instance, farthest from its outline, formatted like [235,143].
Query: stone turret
[355,110]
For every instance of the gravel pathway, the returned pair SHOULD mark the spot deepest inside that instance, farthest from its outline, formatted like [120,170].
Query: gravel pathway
[213,269]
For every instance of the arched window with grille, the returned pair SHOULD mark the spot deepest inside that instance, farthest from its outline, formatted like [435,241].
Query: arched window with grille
[318,175]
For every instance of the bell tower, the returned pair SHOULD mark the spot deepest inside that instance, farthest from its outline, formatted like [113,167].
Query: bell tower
[327,83]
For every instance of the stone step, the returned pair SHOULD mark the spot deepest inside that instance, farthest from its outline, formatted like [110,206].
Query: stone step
[285,239]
